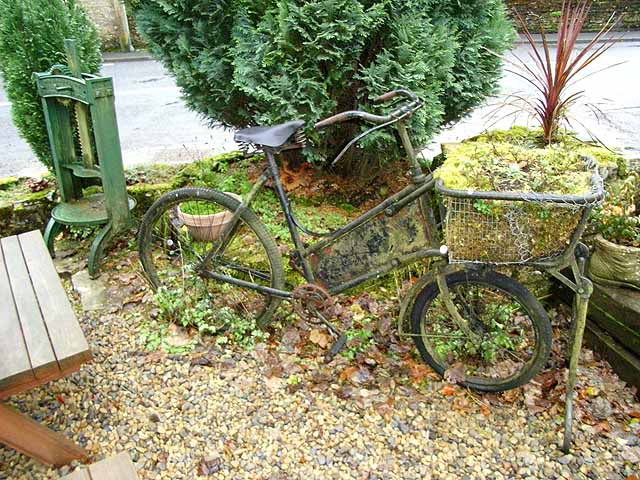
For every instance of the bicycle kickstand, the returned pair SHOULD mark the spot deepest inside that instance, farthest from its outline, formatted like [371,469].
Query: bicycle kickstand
[584,289]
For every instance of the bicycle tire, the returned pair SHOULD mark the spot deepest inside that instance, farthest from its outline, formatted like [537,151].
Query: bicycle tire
[539,320]
[171,199]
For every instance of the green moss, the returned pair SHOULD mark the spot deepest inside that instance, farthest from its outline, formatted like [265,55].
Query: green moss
[146,193]
[8,183]
[206,172]
[6,210]
[482,166]
[532,138]
[514,161]
[34,197]
[521,136]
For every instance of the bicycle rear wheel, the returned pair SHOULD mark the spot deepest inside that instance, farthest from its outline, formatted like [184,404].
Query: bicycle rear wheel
[512,328]
[178,232]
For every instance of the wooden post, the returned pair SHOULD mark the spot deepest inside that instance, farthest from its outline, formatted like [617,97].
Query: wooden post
[125,34]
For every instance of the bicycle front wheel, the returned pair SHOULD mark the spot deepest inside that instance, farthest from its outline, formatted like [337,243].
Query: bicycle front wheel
[181,229]
[510,329]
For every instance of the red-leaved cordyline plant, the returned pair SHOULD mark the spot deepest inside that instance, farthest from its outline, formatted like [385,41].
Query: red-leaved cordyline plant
[552,77]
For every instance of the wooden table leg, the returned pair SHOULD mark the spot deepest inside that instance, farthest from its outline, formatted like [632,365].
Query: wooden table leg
[29,437]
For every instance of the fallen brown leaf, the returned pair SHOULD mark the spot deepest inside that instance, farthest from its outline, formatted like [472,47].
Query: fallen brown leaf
[448,390]
[346,373]
[274,383]
[418,371]
[455,373]
[320,337]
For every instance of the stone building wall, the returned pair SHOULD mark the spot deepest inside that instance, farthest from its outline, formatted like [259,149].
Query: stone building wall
[546,12]
[103,14]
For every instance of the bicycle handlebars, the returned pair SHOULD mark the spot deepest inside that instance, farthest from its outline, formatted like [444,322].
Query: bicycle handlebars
[409,107]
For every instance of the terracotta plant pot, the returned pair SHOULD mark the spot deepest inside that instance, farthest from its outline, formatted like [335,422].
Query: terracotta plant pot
[615,265]
[207,228]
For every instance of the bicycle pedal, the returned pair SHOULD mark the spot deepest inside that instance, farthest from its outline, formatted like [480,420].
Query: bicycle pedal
[337,346]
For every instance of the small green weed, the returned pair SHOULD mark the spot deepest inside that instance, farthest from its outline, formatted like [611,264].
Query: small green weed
[178,307]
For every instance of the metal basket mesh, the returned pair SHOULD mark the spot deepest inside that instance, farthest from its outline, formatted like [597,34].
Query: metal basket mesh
[513,232]
[533,228]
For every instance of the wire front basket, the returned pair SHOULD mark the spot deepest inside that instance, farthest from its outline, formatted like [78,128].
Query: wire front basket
[515,227]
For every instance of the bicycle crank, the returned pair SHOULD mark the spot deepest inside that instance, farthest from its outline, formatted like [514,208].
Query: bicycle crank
[312,302]
[315,305]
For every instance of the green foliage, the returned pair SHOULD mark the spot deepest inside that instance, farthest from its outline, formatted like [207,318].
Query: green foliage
[617,218]
[32,34]
[181,308]
[184,309]
[242,62]
[553,71]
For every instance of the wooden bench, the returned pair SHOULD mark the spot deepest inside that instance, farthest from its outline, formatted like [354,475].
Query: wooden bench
[40,341]
[119,467]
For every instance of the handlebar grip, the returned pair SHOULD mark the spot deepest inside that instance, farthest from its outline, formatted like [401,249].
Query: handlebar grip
[385,97]
[339,117]
[350,115]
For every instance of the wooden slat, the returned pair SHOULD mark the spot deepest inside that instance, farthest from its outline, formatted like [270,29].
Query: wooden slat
[78,474]
[67,339]
[43,360]
[23,434]
[118,467]
[21,385]
[14,359]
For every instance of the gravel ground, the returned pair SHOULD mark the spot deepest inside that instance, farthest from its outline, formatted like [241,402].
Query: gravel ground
[232,414]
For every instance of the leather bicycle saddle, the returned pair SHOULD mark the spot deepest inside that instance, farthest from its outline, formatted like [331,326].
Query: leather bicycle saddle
[273,136]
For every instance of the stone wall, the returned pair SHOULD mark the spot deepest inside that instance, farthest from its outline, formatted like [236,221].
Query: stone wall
[546,12]
[103,14]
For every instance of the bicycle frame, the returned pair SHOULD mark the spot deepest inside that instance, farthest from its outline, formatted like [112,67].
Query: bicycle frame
[419,190]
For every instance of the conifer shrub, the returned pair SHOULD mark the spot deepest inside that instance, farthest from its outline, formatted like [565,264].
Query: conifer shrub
[242,62]
[32,34]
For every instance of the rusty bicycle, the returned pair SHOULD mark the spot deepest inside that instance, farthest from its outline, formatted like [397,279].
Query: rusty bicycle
[463,314]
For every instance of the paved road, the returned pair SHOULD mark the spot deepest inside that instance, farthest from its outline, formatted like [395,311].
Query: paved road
[155,126]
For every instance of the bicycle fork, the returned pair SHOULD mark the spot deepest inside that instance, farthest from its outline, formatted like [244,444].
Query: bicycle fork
[461,322]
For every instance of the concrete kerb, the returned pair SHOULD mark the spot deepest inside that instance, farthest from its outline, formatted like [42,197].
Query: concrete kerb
[142,55]
[584,38]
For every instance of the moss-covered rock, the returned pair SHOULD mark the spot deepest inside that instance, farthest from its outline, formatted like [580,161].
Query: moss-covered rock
[8,182]
[145,194]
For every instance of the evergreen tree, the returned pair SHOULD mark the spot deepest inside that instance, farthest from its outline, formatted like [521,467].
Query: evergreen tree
[32,34]
[247,62]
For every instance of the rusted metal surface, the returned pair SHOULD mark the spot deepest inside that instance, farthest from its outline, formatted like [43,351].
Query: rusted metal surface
[312,302]
[381,241]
